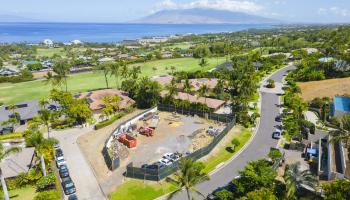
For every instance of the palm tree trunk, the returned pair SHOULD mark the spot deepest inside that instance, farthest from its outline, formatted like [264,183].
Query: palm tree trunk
[43,167]
[48,131]
[188,194]
[65,81]
[106,79]
[4,187]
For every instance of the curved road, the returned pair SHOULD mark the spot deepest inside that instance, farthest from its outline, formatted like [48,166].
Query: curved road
[259,146]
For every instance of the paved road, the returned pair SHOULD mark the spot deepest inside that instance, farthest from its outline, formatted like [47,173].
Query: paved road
[79,169]
[260,145]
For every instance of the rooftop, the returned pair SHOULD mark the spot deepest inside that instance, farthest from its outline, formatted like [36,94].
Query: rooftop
[211,103]
[17,163]
[95,98]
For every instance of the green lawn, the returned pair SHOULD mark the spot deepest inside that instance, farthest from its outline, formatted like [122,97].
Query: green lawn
[224,155]
[11,93]
[26,193]
[137,190]
[181,46]
[50,51]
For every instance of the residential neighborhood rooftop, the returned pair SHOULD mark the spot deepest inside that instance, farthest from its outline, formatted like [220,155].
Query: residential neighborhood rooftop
[95,98]
[17,163]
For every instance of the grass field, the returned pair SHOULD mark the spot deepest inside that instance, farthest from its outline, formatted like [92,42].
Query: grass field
[223,155]
[181,46]
[11,93]
[26,193]
[325,88]
[137,189]
[50,52]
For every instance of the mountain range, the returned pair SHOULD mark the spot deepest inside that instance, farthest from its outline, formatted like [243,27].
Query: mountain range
[202,16]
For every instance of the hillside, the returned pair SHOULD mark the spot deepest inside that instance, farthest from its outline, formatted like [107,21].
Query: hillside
[203,16]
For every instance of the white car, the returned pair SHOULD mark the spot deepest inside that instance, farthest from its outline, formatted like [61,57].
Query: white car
[60,162]
[172,157]
[276,135]
[166,162]
[167,156]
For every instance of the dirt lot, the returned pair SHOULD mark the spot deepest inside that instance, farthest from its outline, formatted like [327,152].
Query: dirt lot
[326,88]
[173,134]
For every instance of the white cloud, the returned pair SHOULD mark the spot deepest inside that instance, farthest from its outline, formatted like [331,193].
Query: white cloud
[231,5]
[334,11]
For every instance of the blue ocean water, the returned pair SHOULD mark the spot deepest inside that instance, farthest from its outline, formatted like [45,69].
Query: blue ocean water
[93,32]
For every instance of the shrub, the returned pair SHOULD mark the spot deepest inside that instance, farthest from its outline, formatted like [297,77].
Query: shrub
[270,83]
[110,121]
[11,136]
[48,195]
[46,182]
[62,124]
[235,142]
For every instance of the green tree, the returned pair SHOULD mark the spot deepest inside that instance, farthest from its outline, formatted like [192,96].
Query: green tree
[235,143]
[105,67]
[3,154]
[224,195]
[115,71]
[337,190]
[187,87]
[42,146]
[172,90]
[295,179]
[275,154]
[190,173]
[61,69]
[256,174]
[148,93]
[261,194]
[48,195]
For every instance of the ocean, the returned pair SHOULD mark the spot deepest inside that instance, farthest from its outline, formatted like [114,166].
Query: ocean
[100,32]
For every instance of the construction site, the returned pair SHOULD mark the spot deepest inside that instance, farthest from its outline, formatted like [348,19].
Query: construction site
[147,138]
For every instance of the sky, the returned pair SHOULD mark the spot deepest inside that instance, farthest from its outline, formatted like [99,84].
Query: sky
[114,11]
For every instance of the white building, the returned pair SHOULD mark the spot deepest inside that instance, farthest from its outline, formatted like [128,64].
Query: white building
[48,43]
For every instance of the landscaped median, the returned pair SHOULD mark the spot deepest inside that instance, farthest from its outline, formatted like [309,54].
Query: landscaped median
[139,189]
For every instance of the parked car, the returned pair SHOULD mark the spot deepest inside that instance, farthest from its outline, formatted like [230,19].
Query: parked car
[172,156]
[156,165]
[63,171]
[73,197]
[276,134]
[56,146]
[279,118]
[60,162]
[59,153]
[166,161]
[68,186]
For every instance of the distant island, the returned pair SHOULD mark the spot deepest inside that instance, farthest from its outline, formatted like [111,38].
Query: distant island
[203,16]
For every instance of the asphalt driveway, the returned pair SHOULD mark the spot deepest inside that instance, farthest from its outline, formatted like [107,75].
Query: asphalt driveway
[79,169]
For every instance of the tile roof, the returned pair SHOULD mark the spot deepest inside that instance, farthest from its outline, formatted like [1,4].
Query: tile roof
[211,103]
[95,98]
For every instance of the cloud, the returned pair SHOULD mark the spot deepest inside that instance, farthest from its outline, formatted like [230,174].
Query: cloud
[231,5]
[334,11]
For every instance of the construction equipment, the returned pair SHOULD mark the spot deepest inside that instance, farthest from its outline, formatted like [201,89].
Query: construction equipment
[127,140]
[155,121]
[146,131]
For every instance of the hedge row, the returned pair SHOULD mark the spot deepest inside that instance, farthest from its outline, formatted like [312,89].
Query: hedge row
[110,121]
[11,136]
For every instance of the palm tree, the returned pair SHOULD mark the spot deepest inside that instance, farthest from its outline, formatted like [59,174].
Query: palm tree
[52,79]
[62,69]
[203,92]
[3,154]
[295,179]
[172,89]
[41,145]
[105,68]
[190,174]
[187,87]
[124,70]
[115,70]
[343,133]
